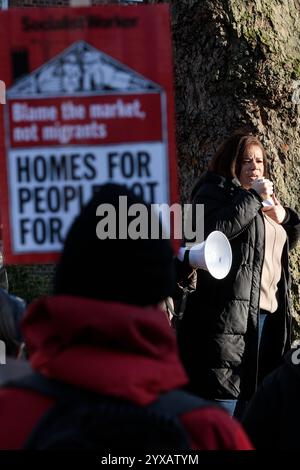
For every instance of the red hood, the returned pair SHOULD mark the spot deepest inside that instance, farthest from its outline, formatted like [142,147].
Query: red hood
[117,349]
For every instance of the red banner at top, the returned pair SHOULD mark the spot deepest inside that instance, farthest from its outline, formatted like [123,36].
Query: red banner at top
[67,121]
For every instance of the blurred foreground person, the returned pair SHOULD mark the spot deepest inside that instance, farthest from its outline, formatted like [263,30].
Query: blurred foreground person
[273,414]
[104,351]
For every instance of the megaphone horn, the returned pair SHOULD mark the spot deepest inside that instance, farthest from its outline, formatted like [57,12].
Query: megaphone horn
[213,255]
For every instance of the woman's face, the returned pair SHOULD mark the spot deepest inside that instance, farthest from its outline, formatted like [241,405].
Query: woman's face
[252,166]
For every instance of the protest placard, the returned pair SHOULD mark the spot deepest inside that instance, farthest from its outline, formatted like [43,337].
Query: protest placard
[89,100]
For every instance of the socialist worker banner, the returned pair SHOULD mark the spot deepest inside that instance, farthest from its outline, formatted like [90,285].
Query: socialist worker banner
[88,100]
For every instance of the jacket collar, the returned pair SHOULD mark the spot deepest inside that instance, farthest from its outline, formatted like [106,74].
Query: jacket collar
[209,177]
[111,348]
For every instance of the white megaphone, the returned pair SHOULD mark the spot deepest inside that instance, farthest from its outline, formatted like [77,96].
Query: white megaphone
[268,202]
[214,255]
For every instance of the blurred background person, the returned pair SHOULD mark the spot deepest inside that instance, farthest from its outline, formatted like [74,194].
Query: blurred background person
[14,362]
[103,333]
[3,273]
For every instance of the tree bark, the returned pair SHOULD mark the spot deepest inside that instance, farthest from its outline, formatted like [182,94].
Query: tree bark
[237,64]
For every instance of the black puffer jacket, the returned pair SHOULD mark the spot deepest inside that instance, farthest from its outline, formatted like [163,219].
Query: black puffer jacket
[218,335]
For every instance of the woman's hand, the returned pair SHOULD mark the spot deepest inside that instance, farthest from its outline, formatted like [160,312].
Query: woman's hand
[263,187]
[276,211]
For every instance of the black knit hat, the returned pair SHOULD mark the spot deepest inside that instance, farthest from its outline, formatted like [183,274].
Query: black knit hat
[133,271]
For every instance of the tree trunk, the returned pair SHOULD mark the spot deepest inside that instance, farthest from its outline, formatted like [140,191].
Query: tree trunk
[237,63]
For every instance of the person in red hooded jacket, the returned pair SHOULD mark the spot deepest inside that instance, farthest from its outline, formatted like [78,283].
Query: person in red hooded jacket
[103,331]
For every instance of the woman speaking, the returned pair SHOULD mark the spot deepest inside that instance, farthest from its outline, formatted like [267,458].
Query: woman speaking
[236,330]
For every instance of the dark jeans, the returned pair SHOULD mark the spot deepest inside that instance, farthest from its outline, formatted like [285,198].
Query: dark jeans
[237,407]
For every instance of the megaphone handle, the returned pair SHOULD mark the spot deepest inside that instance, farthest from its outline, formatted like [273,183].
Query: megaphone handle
[184,255]
[186,258]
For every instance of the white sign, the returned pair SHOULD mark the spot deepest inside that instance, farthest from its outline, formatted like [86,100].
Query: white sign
[49,186]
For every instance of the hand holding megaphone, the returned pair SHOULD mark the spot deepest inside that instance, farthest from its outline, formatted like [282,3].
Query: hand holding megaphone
[274,210]
[264,189]
[213,255]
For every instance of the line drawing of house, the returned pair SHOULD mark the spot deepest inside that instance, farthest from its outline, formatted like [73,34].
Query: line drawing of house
[81,69]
